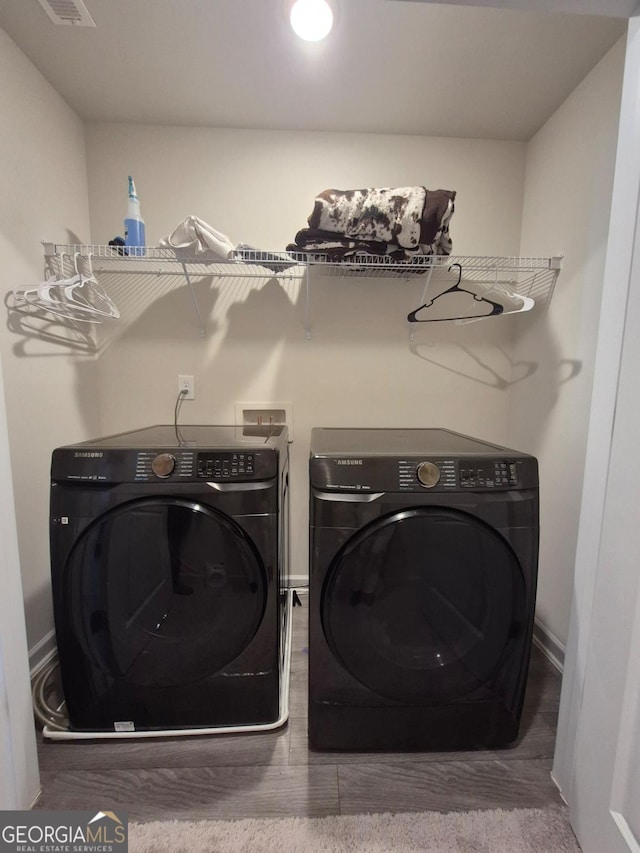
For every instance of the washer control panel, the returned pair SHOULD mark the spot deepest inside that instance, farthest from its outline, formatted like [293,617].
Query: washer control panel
[414,475]
[164,465]
[154,464]
[227,465]
[201,465]
[428,474]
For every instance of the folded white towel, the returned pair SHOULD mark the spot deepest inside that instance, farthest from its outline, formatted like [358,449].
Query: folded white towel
[196,238]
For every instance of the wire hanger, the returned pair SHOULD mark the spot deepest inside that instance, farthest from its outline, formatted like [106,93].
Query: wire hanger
[496,307]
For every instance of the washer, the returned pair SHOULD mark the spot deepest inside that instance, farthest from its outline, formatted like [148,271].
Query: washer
[169,555]
[423,569]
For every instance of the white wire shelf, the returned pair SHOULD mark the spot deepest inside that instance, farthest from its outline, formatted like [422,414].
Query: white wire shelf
[533,277]
[158,260]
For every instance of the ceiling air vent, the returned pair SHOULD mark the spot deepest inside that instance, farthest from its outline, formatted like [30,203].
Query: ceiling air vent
[68,13]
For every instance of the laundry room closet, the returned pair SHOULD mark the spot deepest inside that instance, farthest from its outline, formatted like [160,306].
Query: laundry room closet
[341,354]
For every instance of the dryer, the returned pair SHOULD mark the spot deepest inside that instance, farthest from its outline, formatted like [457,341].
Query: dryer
[168,566]
[423,569]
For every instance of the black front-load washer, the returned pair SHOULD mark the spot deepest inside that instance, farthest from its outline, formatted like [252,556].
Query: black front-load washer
[168,560]
[423,568]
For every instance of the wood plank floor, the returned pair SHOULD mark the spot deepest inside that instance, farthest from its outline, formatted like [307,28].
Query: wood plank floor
[276,775]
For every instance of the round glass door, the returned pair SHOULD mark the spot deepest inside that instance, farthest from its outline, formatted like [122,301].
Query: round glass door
[163,591]
[421,605]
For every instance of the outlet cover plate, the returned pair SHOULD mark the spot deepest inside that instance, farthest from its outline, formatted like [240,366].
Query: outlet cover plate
[186,382]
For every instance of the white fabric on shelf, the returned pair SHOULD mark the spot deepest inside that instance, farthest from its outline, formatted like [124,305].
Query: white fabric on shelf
[194,237]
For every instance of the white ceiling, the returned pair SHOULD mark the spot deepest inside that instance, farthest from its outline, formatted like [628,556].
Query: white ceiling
[388,67]
[612,8]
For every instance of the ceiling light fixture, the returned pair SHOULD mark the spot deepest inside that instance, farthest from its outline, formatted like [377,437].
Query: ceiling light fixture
[311,19]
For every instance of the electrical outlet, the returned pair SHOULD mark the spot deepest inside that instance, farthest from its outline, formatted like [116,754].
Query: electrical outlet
[258,418]
[187,383]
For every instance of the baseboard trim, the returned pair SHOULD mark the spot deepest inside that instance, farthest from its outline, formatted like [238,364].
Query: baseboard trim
[549,645]
[557,784]
[298,581]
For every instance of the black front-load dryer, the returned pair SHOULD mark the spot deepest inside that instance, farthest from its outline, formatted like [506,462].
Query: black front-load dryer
[423,553]
[168,554]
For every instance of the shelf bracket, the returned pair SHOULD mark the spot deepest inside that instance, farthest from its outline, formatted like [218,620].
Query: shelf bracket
[203,329]
[307,304]
[422,301]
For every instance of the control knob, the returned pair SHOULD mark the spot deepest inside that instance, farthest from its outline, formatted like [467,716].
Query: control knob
[428,474]
[163,464]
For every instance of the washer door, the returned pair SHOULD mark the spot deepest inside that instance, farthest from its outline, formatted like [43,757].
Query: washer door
[163,592]
[422,605]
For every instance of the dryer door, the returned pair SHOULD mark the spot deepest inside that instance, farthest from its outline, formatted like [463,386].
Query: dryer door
[422,605]
[163,592]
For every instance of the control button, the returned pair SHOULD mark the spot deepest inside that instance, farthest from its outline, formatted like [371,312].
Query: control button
[428,474]
[163,464]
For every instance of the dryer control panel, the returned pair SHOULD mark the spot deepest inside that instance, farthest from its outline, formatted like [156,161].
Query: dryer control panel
[420,474]
[418,461]
[479,474]
[428,474]
[447,474]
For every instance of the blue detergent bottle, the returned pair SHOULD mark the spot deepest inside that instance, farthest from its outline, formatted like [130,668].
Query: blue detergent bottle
[134,224]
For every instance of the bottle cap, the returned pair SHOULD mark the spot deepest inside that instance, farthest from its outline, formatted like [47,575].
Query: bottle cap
[132,189]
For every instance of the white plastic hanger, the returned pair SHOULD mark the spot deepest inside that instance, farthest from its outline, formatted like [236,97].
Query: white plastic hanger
[79,298]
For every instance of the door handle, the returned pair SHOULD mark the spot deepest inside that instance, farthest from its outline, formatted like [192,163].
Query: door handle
[347,497]
[240,487]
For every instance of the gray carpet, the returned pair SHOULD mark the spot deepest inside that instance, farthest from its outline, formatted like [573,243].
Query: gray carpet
[521,830]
